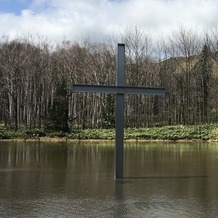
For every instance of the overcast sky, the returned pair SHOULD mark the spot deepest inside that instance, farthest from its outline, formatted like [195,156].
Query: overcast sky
[96,19]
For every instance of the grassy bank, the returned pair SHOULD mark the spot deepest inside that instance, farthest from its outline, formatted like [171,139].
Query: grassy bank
[180,132]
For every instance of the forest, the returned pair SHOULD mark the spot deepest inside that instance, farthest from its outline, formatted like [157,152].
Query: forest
[36,77]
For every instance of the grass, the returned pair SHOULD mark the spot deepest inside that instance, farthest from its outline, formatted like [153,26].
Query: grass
[178,132]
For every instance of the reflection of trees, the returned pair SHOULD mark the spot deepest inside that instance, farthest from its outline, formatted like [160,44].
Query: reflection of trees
[167,160]
[34,154]
[84,173]
[63,165]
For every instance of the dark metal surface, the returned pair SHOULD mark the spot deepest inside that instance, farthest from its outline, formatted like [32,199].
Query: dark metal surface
[118,89]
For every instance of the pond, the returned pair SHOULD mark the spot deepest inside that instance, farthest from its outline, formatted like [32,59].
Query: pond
[76,179]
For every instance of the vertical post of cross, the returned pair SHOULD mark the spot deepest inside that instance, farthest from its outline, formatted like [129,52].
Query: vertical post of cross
[120,112]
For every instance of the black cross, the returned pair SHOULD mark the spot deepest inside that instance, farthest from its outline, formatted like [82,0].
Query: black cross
[120,89]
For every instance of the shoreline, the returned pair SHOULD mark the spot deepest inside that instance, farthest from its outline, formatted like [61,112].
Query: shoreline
[57,139]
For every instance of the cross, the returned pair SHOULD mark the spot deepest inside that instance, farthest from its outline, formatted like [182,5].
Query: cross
[120,89]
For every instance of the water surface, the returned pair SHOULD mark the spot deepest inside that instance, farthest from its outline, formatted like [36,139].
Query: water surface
[41,179]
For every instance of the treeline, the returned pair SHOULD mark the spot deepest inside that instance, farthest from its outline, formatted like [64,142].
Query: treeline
[36,79]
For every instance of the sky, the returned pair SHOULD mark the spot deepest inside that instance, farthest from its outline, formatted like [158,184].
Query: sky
[97,19]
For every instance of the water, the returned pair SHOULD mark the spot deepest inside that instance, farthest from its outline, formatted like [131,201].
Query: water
[41,179]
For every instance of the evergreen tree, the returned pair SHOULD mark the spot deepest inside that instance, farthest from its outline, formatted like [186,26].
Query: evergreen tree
[58,113]
[203,72]
[108,112]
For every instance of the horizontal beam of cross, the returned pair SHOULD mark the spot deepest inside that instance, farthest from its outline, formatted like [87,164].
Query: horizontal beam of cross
[118,89]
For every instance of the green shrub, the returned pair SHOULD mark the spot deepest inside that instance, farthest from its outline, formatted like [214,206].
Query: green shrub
[57,134]
[35,132]
[214,134]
